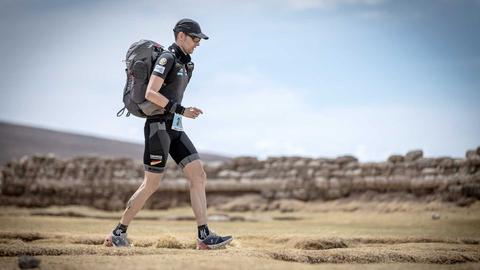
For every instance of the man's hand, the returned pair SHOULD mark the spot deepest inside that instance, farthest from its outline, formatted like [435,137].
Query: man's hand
[192,112]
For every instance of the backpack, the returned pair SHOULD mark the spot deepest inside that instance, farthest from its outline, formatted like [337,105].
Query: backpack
[140,60]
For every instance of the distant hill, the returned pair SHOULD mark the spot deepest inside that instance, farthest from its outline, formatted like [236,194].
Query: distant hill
[18,140]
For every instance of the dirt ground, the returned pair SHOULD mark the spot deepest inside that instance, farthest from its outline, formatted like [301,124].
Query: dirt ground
[324,235]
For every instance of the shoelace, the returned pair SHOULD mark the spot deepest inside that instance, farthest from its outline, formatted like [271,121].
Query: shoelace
[124,238]
[218,237]
[211,235]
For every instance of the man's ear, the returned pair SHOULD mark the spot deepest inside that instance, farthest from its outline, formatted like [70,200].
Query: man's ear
[182,35]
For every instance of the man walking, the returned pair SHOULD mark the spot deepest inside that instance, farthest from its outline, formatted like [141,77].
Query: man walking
[164,134]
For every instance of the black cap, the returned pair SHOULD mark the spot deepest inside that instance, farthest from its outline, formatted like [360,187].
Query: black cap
[190,27]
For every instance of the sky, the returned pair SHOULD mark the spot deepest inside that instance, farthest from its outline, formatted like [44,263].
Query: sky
[314,78]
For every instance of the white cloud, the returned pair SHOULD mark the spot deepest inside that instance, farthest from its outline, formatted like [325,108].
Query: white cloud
[248,114]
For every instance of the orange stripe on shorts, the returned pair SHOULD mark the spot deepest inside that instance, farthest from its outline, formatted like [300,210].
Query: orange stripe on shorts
[155,162]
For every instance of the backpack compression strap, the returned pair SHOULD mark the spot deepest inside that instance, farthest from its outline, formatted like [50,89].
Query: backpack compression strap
[120,113]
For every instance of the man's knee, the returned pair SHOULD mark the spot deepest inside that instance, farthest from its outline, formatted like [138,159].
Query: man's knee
[195,173]
[152,181]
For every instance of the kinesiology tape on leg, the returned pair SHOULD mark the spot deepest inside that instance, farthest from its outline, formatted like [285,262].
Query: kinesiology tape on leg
[130,201]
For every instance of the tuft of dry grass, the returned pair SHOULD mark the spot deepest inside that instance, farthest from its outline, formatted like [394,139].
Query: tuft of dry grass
[24,236]
[383,254]
[319,244]
[169,241]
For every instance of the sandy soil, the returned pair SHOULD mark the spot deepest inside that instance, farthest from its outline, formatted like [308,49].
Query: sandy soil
[367,235]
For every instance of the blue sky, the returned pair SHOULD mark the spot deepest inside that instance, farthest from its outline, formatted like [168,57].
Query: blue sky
[309,77]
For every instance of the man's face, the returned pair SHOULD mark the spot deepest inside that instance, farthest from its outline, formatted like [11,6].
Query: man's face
[189,43]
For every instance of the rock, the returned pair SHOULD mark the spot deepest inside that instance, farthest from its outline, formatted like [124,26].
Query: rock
[463,202]
[333,193]
[454,193]
[413,155]
[314,163]
[358,184]
[286,205]
[322,172]
[354,172]
[426,162]
[292,173]
[446,162]
[300,163]
[396,158]
[334,189]
[472,154]
[471,190]
[245,203]
[28,262]
[244,161]
[435,216]
[345,159]
[301,193]
[229,174]
[321,183]
[429,171]
[218,217]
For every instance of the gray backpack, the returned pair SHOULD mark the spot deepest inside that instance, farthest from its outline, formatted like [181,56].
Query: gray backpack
[140,59]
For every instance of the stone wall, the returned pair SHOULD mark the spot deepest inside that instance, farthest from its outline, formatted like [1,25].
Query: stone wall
[107,183]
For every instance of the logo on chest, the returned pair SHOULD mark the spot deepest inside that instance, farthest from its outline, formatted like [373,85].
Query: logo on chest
[182,72]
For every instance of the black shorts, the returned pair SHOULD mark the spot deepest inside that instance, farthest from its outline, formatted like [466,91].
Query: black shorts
[160,140]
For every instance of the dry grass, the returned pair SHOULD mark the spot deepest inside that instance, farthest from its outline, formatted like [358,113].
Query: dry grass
[360,239]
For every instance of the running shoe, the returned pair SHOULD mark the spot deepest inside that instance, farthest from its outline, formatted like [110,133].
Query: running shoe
[117,241]
[213,241]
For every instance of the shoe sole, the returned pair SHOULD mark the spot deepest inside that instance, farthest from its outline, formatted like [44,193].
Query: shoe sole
[202,246]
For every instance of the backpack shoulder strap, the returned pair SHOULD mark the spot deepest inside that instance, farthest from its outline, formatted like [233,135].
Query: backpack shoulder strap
[168,77]
[166,50]
[190,67]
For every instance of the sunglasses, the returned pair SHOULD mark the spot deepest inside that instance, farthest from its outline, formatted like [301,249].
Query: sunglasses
[195,39]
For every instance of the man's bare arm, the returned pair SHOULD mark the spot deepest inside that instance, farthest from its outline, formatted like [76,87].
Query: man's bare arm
[152,94]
